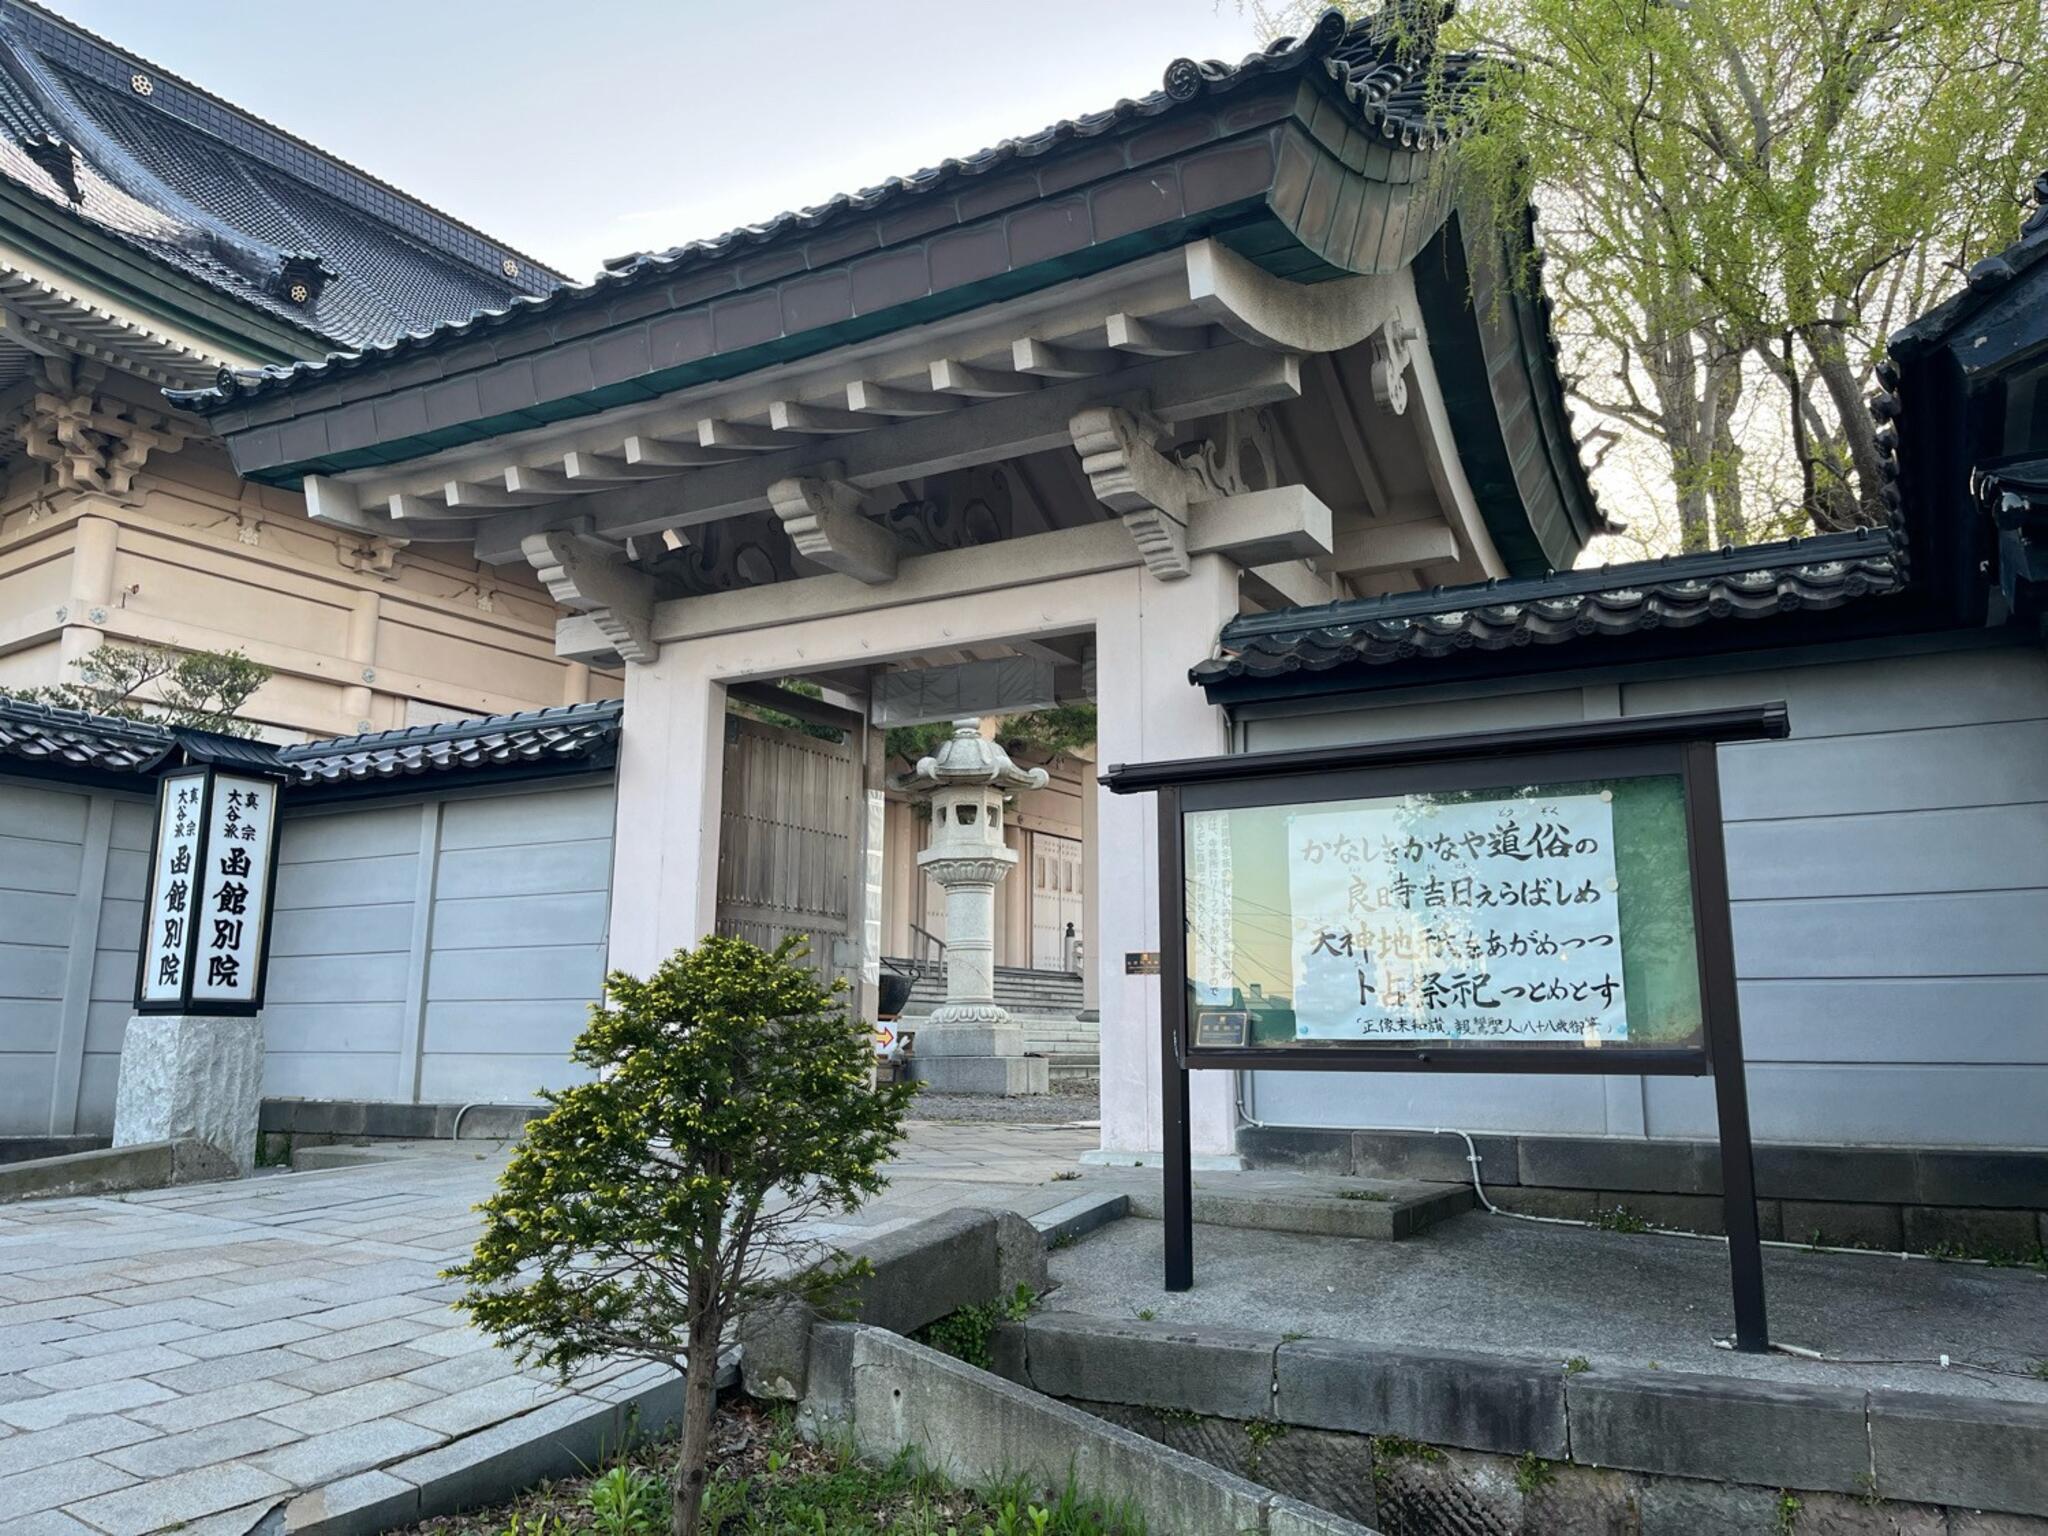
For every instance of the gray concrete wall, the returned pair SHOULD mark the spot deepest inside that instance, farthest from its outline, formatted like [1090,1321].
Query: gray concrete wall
[438,948]
[71,877]
[1889,870]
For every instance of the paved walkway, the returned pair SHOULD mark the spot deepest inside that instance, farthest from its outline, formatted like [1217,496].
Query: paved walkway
[193,1358]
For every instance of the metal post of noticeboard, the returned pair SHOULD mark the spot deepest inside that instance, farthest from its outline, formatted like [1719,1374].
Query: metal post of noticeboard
[1177,1146]
[1723,1020]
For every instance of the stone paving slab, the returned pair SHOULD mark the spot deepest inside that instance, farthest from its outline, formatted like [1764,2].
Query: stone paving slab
[203,1355]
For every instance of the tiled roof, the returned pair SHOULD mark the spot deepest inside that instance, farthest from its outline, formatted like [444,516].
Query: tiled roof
[1680,590]
[1986,279]
[568,733]
[228,200]
[69,740]
[1384,84]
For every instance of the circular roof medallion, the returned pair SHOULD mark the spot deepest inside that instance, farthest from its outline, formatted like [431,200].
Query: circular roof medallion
[511,267]
[141,84]
[300,293]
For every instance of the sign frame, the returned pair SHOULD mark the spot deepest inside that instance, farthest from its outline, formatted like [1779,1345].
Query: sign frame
[1682,744]
[207,774]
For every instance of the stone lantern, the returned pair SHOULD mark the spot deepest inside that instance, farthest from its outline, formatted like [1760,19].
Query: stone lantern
[968,1044]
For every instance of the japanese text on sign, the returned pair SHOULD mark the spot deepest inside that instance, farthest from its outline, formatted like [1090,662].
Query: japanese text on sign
[1481,920]
[170,903]
[232,895]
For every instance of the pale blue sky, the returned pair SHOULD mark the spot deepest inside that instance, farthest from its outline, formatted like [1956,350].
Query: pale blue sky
[580,131]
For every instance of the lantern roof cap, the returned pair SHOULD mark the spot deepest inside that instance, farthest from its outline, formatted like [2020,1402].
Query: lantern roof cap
[967,758]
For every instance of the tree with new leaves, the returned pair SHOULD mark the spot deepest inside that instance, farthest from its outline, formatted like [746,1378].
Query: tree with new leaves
[650,1208]
[199,690]
[1739,200]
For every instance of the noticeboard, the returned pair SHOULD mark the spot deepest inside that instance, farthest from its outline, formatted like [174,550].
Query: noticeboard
[1549,900]
[1553,915]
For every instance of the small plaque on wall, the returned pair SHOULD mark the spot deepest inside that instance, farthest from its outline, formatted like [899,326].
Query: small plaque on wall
[1141,962]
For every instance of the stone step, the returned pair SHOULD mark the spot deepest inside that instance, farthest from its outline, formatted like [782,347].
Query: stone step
[1364,1208]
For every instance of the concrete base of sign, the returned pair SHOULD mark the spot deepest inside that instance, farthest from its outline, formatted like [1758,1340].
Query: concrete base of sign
[191,1077]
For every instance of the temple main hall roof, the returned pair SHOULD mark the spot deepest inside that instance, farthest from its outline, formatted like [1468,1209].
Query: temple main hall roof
[123,151]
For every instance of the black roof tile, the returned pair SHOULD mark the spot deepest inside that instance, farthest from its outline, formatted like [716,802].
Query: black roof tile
[69,741]
[1677,591]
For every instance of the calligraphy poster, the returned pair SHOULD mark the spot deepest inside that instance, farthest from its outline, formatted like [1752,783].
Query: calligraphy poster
[234,894]
[1490,921]
[166,942]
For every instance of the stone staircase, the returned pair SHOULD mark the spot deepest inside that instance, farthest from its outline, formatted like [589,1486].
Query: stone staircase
[1045,1003]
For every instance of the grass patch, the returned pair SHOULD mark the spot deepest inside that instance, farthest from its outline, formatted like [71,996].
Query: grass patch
[1619,1219]
[767,1482]
[1789,1506]
[1576,1364]
[965,1334]
[1373,1195]
[1533,1474]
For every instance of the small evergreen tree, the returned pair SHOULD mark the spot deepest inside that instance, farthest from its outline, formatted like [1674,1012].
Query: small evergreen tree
[650,1208]
[201,690]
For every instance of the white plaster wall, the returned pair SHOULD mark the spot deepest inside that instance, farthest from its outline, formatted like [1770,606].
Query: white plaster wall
[1889,873]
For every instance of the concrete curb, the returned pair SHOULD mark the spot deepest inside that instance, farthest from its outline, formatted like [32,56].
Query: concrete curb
[558,1439]
[1976,1453]
[976,1428]
[115,1170]
[919,1273]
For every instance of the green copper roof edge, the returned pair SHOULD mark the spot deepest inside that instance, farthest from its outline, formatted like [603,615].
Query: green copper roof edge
[83,255]
[1220,223]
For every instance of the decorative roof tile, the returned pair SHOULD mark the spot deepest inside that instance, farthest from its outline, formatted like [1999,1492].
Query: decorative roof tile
[1385,83]
[1681,590]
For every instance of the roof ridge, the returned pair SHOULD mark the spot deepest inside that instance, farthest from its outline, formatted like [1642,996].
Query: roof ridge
[59,20]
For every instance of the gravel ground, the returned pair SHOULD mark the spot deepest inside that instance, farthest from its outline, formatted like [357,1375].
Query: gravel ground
[1068,1102]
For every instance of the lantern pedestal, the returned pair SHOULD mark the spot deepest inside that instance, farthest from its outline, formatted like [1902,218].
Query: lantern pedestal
[191,1077]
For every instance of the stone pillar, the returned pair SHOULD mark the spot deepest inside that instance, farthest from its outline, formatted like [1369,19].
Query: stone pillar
[671,787]
[191,1077]
[968,1044]
[1147,712]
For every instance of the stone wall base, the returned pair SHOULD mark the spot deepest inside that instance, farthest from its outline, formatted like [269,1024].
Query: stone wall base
[1405,1488]
[191,1077]
[1965,1202]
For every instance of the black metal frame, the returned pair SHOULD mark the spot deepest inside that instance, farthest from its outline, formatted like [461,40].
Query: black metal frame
[207,773]
[1684,745]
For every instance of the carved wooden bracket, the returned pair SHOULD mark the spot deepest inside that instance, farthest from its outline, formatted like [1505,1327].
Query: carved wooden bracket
[1390,347]
[822,517]
[598,582]
[1120,456]
[93,442]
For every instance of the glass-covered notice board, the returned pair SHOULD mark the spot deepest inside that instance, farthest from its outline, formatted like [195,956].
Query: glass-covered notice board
[1554,914]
